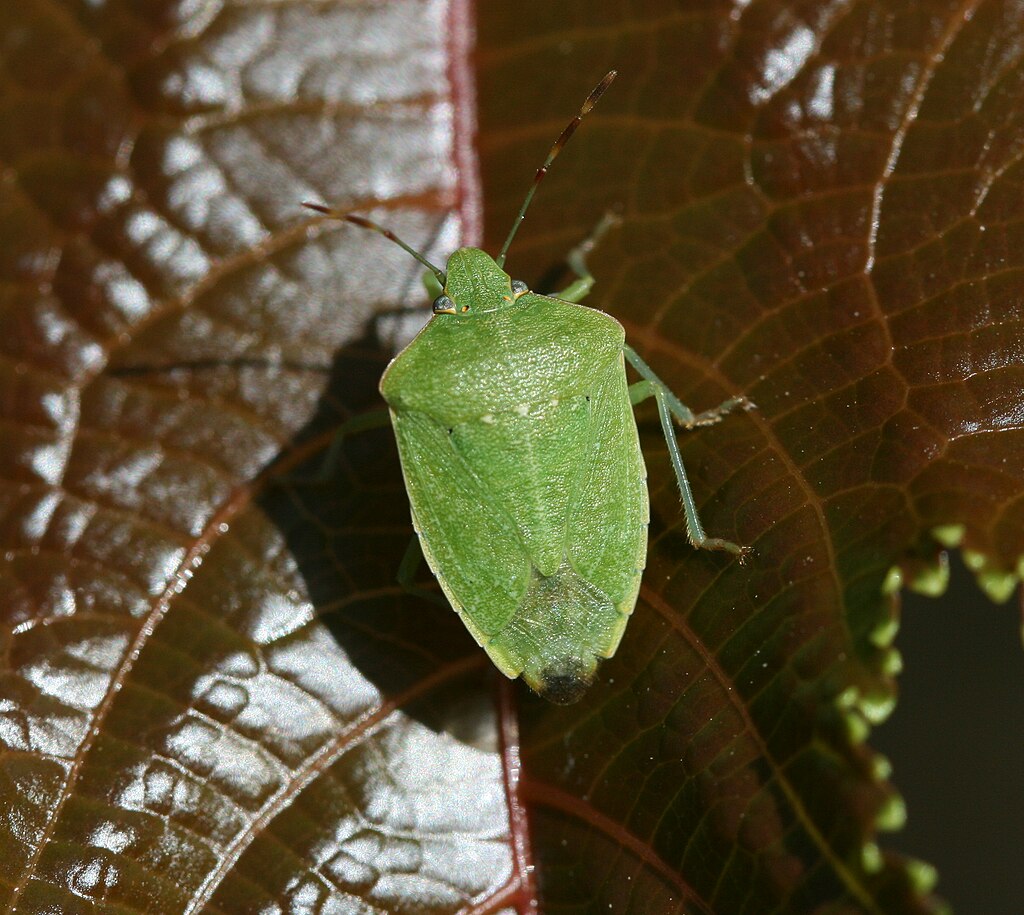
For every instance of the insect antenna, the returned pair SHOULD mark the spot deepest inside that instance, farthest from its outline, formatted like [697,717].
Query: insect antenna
[365,223]
[564,138]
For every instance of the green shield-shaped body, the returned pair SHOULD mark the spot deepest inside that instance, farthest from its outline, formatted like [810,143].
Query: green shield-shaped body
[526,480]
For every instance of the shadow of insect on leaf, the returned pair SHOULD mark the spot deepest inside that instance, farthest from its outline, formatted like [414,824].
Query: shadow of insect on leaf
[347,528]
[345,518]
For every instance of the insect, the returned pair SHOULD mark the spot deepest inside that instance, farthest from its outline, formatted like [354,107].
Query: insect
[522,462]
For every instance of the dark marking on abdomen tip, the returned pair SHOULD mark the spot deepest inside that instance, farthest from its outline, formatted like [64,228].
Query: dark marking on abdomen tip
[565,682]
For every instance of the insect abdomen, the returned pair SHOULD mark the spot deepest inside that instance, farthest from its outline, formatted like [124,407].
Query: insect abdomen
[557,634]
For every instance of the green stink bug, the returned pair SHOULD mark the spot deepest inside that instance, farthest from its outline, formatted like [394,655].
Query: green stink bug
[522,461]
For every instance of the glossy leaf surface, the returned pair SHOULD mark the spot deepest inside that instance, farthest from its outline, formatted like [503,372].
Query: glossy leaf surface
[215,697]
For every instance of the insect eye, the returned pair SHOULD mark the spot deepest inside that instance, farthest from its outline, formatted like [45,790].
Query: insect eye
[444,306]
[519,288]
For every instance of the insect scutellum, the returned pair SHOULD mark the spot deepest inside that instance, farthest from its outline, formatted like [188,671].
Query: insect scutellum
[474,281]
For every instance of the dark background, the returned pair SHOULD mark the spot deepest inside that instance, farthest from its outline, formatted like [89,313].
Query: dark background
[955,742]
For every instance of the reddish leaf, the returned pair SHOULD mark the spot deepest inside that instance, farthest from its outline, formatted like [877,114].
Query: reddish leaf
[819,207]
[181,733]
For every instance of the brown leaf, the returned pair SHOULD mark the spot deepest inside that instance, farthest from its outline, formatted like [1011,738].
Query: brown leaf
[215,697]
[819,202]
[181,733]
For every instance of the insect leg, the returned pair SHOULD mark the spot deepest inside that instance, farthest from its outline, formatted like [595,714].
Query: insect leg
[577,261]
[653,386]
[641,390]
[694,529]
[683,414]
[432,285]
[364,422]
[407,570]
